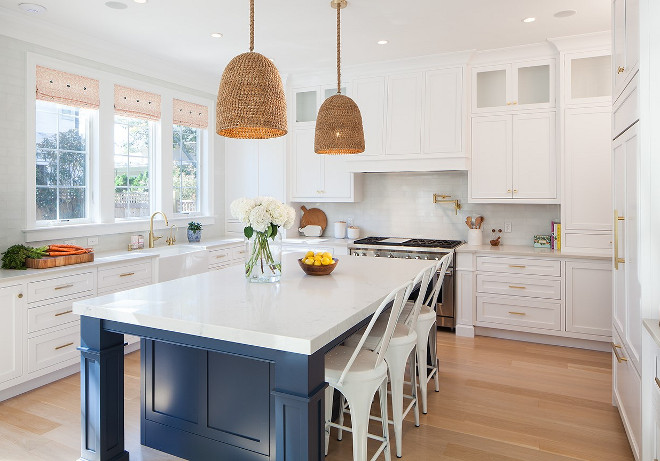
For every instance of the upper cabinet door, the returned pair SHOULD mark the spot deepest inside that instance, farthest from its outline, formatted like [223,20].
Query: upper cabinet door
[307,181]
[632,35]
[490,177]
[534,156]
[307,105]
[533,84]
[404,114]
[443,112]
[272,153]
[369,95]
[490,88]
[588,78]
[337,181]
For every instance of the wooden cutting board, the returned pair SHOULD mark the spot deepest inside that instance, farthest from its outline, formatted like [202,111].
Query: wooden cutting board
[57,261]
[313,217]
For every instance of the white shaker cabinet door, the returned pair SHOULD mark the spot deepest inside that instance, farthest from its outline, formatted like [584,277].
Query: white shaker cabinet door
[443,112]
[404,114]
[491,158]
[589,297]
[12,300]
[534,156]
[619,237]
[369,95]
[337,181]
[619,44]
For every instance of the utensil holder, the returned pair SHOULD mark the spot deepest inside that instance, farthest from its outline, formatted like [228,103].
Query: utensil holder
[475,237]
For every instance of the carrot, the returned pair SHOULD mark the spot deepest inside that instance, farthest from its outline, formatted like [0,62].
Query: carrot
[67,253]
[63,247]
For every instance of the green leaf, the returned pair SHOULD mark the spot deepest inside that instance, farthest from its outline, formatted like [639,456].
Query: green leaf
[269,231]
[248,232]
[274,232]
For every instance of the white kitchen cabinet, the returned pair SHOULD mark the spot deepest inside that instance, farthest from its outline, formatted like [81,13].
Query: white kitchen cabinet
[587,78]
[13,302]
[514,86]
[443,112]
[587,180]
[320,178]
[626,40]
[404,114]
[627,389]
[514,158]
[589,297]
[369,95]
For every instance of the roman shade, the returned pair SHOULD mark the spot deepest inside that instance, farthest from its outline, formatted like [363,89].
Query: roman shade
[190,114]
[137,103]
[64,88]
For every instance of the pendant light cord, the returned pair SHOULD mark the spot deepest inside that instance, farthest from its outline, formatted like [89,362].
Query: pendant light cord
[338,49]
[251,25]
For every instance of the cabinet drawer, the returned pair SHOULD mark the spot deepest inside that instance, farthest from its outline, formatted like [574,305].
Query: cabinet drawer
[628,391]
[52,315]
[60,286]
[238,252]
[626,111]
[533,287]
[523,266]
[53,348]
[519,311]
[124,275]
[221,256]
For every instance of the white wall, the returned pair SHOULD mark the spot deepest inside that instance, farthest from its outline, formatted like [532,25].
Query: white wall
[401,205]
[13,169]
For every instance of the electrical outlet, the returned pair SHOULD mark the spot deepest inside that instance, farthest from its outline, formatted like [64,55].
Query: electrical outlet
[70,242]
[507,227]
[91,241]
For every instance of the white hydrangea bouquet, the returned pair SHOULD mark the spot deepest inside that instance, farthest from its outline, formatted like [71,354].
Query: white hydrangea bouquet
[263,216]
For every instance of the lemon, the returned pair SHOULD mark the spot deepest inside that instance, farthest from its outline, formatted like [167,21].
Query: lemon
[320,253]
[327,255]
[318,257]
[309,254]
[325,261]
[317,262]
[309,261]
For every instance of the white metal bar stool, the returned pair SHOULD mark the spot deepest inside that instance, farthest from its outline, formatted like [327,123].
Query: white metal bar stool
[402,344]
[358,373]
[426,329]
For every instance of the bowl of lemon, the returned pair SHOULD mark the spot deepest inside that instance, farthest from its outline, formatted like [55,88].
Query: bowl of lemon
[319,263]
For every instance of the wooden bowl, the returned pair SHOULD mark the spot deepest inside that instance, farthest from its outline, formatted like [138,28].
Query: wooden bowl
[318,270]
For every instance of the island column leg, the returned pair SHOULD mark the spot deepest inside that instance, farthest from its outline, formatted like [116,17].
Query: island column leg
[299,407]
[101,392]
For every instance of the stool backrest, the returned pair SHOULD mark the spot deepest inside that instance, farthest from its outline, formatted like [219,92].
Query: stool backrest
[397,297]
[441,267]
[423,279]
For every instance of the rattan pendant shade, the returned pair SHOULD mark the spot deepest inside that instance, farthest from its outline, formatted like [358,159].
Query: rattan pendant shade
[339,122]
[251,102]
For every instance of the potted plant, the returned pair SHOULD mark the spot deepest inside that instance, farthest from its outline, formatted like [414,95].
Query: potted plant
[194,231]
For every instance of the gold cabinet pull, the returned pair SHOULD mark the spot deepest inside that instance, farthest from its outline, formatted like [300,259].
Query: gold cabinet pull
[508,103]
[620,70]
[517,266]
[20,295]
[63,346]
[617,260]
[515,191]
[127,274]
[657,382]
[615,349]
[62,287]
[517,287]
[63,313]
[220,256]
[515,103]
[517,313]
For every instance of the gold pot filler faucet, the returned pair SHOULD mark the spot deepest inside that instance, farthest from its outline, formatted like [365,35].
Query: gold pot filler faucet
[152,237]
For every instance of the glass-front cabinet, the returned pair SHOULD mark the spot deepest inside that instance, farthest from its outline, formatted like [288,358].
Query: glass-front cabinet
[587,78]
[503,87]
[309,100]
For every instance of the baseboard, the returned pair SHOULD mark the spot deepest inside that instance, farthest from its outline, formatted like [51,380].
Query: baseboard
[543,339]
[466,331]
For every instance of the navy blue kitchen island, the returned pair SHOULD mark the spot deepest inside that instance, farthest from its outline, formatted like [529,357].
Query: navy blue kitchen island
[230,370]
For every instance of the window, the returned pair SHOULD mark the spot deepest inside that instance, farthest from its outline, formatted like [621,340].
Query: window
[133,154]
[62,162]
[185,172]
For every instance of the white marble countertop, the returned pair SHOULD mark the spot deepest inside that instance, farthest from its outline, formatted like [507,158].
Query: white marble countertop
[316,241]
[653,327]
[299,314]
[520,250]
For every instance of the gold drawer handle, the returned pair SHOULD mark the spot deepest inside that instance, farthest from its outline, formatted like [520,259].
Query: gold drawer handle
[220,256]
[63,346]
[517,288]
[127,274]
[615,349]
[63,313]
[517,266]
[657,382]
[616,258]
[517,313]
[20,295]
[62,287]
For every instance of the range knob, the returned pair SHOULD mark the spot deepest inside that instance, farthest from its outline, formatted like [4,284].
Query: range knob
[407,256]
[437,258]
[377,255]
[356,254]
[364,254]
[417,257]
[390,255]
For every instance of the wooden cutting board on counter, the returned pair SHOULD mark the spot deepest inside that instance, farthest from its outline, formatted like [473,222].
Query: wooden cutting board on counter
[313,217]
[56,261]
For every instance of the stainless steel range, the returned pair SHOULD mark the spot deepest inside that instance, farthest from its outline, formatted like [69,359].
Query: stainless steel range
[389,247]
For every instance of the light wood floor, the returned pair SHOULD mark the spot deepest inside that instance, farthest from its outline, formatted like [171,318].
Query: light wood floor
[500,401]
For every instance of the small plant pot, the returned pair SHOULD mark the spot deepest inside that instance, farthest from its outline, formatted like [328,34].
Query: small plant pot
[194,236]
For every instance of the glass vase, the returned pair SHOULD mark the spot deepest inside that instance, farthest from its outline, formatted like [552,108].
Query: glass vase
[263,258]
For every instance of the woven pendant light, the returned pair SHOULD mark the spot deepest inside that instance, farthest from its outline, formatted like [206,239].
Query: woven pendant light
[339,122]
[251,102]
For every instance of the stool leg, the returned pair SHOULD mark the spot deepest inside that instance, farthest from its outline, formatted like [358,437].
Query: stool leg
[329,394]
[360,404]
[397,369]
[342,405]
[413,382]
[384,419]
[422,344]
[434,355]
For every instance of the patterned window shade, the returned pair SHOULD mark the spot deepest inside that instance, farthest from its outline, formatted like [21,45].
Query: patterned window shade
[137,103]
[190,114]
[69,89]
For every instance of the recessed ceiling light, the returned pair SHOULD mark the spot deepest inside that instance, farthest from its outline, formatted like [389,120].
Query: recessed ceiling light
[565,13]
[116,5]
[140,1]
[528,20]
[383,42]
[32,8]
[216,35]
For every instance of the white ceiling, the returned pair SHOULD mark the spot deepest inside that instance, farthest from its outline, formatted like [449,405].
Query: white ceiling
[300,34]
